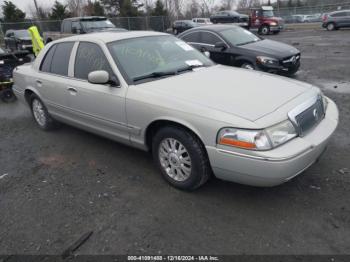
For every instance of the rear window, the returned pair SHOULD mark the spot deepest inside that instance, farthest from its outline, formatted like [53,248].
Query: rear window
[56,60]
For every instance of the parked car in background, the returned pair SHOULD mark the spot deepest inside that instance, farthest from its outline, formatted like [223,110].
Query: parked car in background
[230,17]
[235,46]
[312,18]
[81,25]
[180,26]
[201,21]
[264,20]
[336,20]
[196,118]
[18,40]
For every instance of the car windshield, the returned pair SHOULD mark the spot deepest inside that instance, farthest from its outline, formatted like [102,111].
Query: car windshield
[21,33]
[268,13]
[238,36]
[155,56]
[97,24]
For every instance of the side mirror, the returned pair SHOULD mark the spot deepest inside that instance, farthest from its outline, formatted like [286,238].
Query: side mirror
[220,45]
[102,77]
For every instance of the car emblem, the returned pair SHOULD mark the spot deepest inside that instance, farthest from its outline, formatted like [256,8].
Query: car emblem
[315,113]
[294,60]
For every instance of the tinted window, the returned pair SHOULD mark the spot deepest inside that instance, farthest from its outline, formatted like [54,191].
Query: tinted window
[46,64]
[192,37]
[60,60]
[238,36]
[339,14]
[209,38]
[90,58]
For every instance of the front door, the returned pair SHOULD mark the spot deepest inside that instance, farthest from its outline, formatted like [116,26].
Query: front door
[96,106]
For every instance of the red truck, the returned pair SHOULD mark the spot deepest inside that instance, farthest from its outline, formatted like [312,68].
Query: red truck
[265,21]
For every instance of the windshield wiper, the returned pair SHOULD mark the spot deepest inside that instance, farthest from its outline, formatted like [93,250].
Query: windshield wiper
[166,73]
[154,75]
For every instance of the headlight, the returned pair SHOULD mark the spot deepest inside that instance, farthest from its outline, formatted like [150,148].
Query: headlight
[257,139]
[273,23]
[267,60]
[24,46]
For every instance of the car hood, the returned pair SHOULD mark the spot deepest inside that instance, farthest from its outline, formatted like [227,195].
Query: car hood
[240,92]
[273,48]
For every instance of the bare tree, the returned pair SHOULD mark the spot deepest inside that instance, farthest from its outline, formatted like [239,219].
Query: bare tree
[75,7]
[228,4]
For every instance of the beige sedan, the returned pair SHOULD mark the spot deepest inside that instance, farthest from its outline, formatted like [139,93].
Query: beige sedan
[155,92]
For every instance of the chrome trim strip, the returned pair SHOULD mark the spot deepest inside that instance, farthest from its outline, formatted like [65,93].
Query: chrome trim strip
[270,159]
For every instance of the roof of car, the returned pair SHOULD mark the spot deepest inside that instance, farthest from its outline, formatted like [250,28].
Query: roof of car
[86,17]
[339,11]
[111,36]
[214,28]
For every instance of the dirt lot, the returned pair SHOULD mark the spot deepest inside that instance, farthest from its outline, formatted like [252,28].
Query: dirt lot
[56,186]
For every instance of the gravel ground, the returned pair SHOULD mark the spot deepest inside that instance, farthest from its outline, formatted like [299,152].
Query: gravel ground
[57,186]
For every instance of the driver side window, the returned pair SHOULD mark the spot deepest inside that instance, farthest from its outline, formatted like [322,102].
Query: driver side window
[90,58]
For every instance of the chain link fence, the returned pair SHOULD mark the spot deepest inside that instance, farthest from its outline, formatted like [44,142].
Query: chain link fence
[309,13]
[155,23]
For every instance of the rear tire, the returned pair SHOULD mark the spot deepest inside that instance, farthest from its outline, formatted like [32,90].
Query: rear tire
[181,158]
[40,114]
[8,96]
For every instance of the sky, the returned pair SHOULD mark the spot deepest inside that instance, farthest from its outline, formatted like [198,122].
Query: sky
[25,5]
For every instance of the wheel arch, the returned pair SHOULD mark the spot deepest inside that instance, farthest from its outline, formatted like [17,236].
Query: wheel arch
[28,92]
[157,124]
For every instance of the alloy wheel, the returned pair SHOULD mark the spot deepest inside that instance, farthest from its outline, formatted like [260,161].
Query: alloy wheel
[39,112]
[175,159]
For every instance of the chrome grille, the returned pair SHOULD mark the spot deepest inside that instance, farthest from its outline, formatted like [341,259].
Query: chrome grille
[308,115]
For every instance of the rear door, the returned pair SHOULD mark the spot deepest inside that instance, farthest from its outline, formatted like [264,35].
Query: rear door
[52,80]
[96,106]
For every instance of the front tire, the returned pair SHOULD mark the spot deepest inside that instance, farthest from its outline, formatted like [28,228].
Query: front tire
[247,65]
[331,27]
[40,114]
[181,158]
[264,30]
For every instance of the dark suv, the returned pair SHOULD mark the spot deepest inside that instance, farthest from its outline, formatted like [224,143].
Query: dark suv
[180,26]
[336,20]
[18,40]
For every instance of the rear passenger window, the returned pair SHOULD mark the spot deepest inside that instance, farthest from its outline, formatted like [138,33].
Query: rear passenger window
[46,64]
[192,37]
[60,60]
[209,38]
[90,58]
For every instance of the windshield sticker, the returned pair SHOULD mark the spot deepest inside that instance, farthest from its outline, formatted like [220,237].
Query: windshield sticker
[194,63]
[184,46]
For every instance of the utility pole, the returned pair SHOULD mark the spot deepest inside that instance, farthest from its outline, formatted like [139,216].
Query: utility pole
[37,9]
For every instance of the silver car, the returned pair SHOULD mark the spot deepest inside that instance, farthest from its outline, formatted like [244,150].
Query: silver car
[155,92]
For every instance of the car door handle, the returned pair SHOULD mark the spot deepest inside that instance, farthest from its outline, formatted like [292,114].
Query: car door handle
[72,90]
[39,83]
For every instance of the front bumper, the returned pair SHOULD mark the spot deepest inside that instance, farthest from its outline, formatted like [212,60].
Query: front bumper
[279,69]
[274,167]
[276,28]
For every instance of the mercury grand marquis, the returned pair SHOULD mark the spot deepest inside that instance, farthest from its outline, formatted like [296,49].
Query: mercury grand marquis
[155,92]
